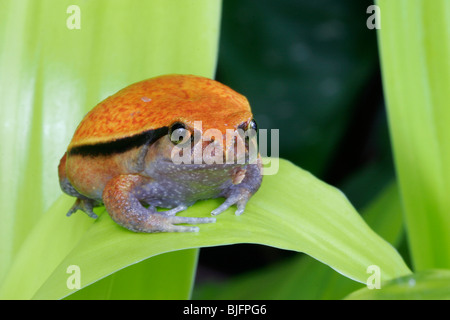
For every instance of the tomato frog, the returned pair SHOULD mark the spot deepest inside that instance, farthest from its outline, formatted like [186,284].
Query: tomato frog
[121,154]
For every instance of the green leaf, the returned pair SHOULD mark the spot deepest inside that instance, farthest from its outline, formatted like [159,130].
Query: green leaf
[415,55]
[384,215]
[53,75]
[50,77]
[166,276]
[293,210]
[303,277]
[300,56]
[299,278]
[424,285]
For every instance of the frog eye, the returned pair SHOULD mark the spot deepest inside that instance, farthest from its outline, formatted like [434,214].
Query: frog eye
[178,133]
[252,125]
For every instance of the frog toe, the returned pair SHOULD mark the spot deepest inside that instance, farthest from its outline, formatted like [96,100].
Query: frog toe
[241,206]
[190,220]
[85,205]
[174,228]
[170,225]
[174,211]
[240,198]
[224,206]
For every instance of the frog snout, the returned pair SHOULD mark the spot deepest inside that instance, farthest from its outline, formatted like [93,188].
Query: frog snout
[230,148]
[236,147]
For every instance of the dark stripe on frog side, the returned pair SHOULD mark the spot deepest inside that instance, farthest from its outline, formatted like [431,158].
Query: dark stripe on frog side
[119,145]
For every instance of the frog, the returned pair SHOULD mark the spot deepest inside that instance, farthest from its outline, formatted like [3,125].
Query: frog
[121,155]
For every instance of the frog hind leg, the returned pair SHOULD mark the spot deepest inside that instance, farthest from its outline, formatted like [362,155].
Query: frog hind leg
[122,201]
[82,203]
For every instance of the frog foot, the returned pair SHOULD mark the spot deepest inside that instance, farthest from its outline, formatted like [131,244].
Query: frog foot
[174,211]
[239,197]
[119,197]
[85,205]
[168,224]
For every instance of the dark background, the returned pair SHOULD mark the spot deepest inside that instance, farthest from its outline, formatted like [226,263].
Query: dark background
[310,69]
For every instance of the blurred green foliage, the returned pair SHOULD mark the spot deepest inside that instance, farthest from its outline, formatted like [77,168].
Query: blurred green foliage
[304,66]
[311,70]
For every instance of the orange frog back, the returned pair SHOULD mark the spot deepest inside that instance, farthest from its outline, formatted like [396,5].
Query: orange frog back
[159,102]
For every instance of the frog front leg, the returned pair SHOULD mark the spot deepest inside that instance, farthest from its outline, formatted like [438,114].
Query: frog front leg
[121,197]
[82,203]
[245,183]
